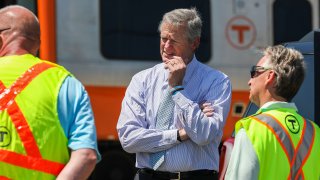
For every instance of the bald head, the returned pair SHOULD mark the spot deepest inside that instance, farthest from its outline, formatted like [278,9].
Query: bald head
[21,31]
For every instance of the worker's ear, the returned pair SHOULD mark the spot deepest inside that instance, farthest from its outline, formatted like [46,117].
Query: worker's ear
[272,77]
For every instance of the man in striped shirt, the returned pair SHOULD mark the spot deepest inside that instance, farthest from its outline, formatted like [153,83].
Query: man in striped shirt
[201,97]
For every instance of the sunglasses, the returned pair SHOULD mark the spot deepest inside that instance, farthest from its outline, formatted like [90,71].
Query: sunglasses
[255,69]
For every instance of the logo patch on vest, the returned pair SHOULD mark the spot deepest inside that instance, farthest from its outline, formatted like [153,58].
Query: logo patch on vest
[292,124]
[5,136]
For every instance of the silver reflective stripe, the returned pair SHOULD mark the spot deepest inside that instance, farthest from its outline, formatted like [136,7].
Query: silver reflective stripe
[280,132]
[286,142]
[303,149]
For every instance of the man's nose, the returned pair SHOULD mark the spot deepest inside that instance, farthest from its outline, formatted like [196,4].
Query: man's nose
[168,44]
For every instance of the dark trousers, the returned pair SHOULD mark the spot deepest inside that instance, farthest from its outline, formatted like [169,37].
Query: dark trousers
[143,175]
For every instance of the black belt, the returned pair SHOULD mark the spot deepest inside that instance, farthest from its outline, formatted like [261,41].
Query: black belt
[178,175]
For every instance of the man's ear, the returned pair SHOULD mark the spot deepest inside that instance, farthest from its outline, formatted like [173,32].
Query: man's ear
[272,77]
[196,43]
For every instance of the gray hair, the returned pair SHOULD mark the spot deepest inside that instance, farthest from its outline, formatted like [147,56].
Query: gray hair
[189,17]
[289,67]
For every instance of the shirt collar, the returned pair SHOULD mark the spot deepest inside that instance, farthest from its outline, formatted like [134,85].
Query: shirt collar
[276,105]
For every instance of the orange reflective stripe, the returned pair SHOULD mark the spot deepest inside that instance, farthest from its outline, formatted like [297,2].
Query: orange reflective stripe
[304,150]
[8,95]
[263,119]
[299,143]
[2,88]
[23,129]
[33,160]
[32,163]
[298,156]
[293,162]
[7,102]
[4,178]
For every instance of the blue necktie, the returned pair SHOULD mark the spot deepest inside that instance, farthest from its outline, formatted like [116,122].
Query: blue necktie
[164,115]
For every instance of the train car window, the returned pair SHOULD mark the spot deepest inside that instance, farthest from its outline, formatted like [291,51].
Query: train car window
[292,19]
[129,28]
[4,3]
[30,4]
[238,109]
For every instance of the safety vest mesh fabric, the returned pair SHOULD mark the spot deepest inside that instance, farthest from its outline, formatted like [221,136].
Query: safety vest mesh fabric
[32,142]
[287,145]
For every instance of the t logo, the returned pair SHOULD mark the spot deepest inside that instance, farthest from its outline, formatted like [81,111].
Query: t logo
[5,136]
[292,124]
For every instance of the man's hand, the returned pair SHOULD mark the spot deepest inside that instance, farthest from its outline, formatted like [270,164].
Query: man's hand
[207,109]
[183,135]
[177,70]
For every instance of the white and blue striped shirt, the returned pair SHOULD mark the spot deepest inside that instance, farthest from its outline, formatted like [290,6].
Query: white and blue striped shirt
[136,125]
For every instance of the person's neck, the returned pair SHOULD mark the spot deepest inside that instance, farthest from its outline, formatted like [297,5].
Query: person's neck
[15,48]
[12,52]
[273,99]
[17,45]
[189,59]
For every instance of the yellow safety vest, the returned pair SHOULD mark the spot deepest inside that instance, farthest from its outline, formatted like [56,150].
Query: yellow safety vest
[287,145]
[32,142]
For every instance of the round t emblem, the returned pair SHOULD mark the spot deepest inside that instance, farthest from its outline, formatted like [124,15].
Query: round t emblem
[292,124]
[5,136]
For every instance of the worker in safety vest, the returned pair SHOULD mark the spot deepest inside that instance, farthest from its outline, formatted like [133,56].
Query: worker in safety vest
[47,127]
[276,142]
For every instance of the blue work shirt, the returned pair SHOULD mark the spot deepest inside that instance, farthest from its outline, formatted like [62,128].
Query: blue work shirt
[76,116]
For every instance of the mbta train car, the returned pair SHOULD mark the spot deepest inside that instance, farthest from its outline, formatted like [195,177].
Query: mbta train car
[105,42]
